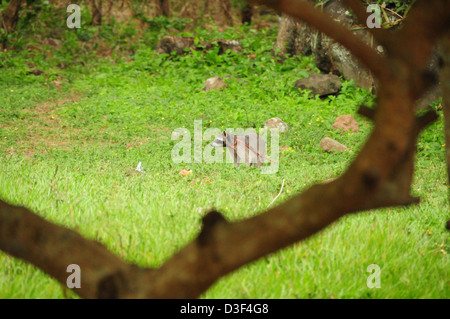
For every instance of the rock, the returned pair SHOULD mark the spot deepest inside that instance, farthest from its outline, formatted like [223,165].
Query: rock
[321,84]
[232,45]
[296,37]
[346,122]
[329,56]
[276,122]
[169,44]
[182,45]
[330,145]
[214,83]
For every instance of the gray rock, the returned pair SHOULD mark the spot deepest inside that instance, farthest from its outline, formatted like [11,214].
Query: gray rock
[169,43]
[232,45]
[330,145]
[321,84]
[276,122]
[214,83]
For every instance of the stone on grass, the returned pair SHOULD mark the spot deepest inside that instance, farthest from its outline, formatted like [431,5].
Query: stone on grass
[180,45]
[214,83]
[224,45]
[276,122]
[346,122]
[321,84]
[330,145]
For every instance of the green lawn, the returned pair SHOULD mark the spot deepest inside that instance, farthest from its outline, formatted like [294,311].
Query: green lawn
[69,154]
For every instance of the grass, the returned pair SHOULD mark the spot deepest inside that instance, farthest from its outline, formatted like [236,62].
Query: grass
[68,152]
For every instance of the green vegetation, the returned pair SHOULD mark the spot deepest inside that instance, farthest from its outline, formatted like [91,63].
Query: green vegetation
[71,138]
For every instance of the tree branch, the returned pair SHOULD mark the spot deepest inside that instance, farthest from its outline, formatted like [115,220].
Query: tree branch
[52,248]
[382,36]
[366,111]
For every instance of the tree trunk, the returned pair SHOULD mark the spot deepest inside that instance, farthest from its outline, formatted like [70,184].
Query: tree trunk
[247,14]
[11,15]
[287,36]
[164,7]
[294,36]
[444,52]
[218,11]
[96,12]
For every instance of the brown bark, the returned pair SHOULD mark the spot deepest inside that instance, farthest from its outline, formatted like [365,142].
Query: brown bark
[164,6]
[286,37]
[380,176]
[247,14]
[444,52]
[218,11]
[444,75]
[11,15]
[96,12]
[52,248]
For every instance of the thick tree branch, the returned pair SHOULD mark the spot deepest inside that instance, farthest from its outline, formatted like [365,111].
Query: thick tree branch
[366,111]
[381,36]
[444,73]
[419,16]
[52,248]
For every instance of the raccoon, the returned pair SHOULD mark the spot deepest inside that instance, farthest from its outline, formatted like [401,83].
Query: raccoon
[248,148]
